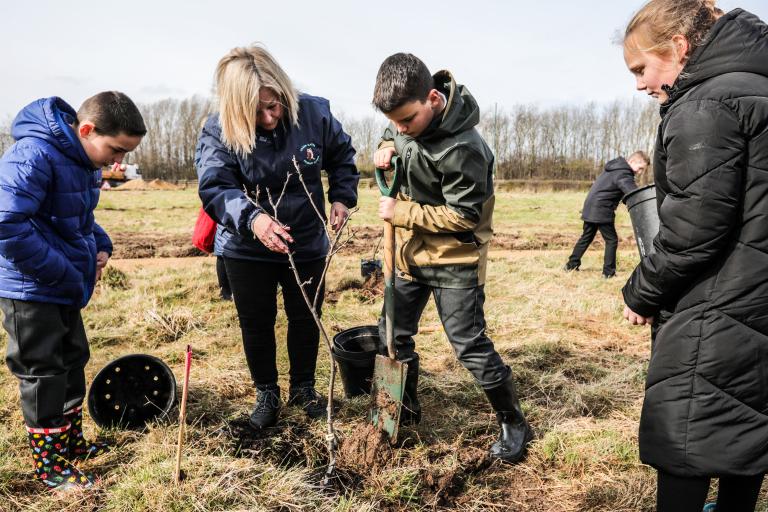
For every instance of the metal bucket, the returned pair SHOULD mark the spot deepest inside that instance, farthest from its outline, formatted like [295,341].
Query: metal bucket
[644,214]
[355,352]
[131,391]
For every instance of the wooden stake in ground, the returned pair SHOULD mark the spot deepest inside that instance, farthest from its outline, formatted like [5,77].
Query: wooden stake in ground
[182,415]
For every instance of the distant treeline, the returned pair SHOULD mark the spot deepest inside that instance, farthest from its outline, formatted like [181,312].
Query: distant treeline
[556,143]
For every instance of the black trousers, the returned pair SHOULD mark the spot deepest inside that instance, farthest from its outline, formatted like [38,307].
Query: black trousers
[221,276]
[47,351]
[608,231]
[462,316]
[254,289]
[680,494]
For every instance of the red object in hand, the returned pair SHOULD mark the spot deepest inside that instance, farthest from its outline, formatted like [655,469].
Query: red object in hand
[204,233]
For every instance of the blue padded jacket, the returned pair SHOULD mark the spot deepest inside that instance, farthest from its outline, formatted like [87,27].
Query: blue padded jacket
[48,191]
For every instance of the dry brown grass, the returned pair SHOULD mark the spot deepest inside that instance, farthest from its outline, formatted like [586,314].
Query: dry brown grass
[580,373]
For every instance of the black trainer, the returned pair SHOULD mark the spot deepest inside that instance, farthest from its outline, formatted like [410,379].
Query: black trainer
[305,396]
[267,407]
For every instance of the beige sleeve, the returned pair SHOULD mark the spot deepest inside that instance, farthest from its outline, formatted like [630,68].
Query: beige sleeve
[429,219]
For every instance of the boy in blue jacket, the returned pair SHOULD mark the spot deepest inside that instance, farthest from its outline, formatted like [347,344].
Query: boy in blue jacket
[51,255]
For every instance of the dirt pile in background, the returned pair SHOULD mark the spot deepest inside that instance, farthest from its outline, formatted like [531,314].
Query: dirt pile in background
[366,238]
[155,184]
[131,245]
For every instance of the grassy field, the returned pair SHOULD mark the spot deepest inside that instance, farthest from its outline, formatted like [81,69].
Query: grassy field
[580,372]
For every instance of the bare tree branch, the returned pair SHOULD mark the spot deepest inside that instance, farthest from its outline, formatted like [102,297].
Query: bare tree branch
[341,239]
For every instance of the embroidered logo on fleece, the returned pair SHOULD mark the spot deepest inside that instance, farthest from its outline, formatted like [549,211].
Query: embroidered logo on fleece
[310,152]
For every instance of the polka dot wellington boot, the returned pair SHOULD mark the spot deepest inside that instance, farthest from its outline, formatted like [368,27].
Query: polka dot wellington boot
[79,447]
[50,453]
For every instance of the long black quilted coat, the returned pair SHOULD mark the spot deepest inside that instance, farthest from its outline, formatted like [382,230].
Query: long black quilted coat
[706,401]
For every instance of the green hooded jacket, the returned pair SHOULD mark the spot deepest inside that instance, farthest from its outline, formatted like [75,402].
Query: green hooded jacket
[444,211]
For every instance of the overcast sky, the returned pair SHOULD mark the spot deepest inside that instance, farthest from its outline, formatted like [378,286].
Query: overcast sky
[548,52]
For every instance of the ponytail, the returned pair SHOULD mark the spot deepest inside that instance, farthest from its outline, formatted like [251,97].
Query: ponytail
[654,25]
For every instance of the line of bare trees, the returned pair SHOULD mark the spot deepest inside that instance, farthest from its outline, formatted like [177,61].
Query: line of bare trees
[530,143]
[168,149]
[568,142]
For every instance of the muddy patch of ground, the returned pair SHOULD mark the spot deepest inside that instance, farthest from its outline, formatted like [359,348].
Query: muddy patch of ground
[366,238]
[365,451]
[288,443]
[364,459]
[132,246]
[444,484]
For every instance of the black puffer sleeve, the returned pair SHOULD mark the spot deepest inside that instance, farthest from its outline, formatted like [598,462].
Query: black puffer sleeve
[705,172]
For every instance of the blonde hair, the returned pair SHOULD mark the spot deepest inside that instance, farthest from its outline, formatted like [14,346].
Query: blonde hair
[640,154]
[660,20]
[239,76]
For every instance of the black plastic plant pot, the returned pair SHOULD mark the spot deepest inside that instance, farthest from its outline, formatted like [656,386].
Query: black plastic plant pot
[369,267]
[355,352]
[644,214]
[131,391]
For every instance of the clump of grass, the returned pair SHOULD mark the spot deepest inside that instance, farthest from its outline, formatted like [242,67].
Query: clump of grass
[632,491]
[165,326]
[598,402]
[547,355]
[114,278]
[349,283]
[585,449]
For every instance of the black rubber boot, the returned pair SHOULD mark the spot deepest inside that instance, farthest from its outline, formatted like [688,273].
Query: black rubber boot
[267,406]
[515,432]
[410,414]
[306,397]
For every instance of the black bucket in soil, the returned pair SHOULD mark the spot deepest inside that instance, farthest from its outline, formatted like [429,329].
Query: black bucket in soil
[644,214]
[369,267]
[355,352]
[131,391]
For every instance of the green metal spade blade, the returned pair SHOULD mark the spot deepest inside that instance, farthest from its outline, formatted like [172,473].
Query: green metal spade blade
[388,385]
[387,389]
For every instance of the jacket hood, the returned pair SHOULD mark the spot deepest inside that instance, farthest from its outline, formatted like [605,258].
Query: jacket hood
[49,119]
[617,164]
[738,42]
[461,113]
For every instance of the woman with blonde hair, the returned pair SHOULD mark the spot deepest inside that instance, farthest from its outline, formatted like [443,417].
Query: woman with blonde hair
[249,147]
[705,289]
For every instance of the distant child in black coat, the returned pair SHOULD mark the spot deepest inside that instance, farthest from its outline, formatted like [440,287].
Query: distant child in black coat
[598,213]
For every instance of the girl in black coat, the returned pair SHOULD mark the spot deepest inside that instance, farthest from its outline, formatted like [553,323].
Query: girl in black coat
[705,290]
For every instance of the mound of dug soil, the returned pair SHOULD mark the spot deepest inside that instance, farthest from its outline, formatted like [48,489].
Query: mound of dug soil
[367,450]
[155,184]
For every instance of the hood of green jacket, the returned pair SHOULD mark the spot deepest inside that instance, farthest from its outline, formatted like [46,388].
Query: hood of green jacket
[461,112]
